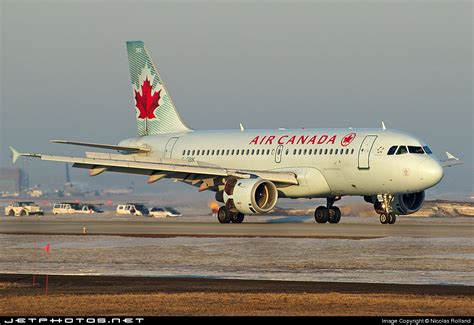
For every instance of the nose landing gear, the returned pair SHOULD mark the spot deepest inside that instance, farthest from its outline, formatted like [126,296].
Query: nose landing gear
[387,216]
[330,213]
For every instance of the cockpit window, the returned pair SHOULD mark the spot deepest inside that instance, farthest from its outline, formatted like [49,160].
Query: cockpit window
[427,150]
[401,150]
[392,150]
[414,149]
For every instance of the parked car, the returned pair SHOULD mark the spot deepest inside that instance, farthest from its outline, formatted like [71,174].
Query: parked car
[158,212]
[136,209]
[23,208]
[97,208]
[69,208]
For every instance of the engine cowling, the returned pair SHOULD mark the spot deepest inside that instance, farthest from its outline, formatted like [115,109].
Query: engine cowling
[250,196]
[408,203]
[402,204]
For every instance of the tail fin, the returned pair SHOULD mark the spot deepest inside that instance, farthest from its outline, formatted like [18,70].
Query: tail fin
[155,110]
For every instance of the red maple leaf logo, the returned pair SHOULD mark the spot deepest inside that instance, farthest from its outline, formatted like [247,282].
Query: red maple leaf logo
[346,140]
[147,103]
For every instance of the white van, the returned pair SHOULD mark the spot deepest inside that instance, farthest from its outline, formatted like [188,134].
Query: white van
[68,208]
[136,209]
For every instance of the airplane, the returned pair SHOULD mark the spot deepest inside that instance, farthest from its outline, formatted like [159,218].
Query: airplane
[249,170]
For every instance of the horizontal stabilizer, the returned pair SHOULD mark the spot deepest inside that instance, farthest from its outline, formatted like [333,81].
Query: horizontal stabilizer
[103,146]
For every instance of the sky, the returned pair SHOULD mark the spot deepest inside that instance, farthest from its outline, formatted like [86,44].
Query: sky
[266,64]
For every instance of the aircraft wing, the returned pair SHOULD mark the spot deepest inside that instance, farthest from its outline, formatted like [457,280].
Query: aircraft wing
[159,168]
[103,146]
[451,161]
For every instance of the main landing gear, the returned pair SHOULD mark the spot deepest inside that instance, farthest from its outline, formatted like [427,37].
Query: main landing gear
[226,216]
[385,209]
[330,213]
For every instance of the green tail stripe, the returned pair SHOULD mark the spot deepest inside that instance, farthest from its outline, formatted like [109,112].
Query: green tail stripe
[167,119]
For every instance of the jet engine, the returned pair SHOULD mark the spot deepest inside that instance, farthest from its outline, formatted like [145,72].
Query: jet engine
[250,196]
[402,204]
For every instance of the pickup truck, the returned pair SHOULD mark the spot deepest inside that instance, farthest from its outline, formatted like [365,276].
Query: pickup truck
[23,208]
[136,209]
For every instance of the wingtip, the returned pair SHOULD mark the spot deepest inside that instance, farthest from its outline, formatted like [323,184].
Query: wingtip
[15,154]
[450,156]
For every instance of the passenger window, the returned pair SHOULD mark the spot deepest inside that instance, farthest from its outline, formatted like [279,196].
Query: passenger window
[258,152]
[310,151]
[335,152]
[414,149]
[304,152]
[392,150]
[193,152]
[184,152]
[287,151]
[352,151]
[325,151]
[320,151]
[197,154]
[402,150]
[330,152]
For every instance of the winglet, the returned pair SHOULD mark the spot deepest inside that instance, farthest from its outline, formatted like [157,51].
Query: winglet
[451,161]
[15,154]
[241,127]
[383,126]
[450,156]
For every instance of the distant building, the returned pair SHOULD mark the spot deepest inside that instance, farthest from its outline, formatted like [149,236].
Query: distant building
[13,180]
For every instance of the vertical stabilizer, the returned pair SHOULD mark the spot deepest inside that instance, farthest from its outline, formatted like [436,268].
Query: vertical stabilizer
[155,111]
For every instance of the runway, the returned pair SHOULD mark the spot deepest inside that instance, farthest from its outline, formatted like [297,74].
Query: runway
[148,227]
[194,265]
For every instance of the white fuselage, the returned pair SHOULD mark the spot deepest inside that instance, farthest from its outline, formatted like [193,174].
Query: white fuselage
[327,162]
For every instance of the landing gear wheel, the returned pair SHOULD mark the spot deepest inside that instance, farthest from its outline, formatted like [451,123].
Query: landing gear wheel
[334,215]
[223,215]
[392,217]
[321,215]
[238,217]
[384,218]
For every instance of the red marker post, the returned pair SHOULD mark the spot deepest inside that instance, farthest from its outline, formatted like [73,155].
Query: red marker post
[46,249]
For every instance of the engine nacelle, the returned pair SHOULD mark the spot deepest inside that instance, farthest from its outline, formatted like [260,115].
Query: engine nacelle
[402,204]
[408,203]
[250,196]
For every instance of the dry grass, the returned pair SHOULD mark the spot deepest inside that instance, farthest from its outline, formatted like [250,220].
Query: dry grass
[225,303]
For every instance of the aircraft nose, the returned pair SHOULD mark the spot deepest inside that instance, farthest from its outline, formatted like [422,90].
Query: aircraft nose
[432,171]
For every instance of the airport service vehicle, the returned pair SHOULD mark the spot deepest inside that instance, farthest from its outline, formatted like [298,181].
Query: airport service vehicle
[69,208]
[23,208]
[165,212]
[249,170]
[136,209]
[97,208]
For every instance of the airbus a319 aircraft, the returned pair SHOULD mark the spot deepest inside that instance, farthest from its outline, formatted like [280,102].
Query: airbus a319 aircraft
[250,169]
